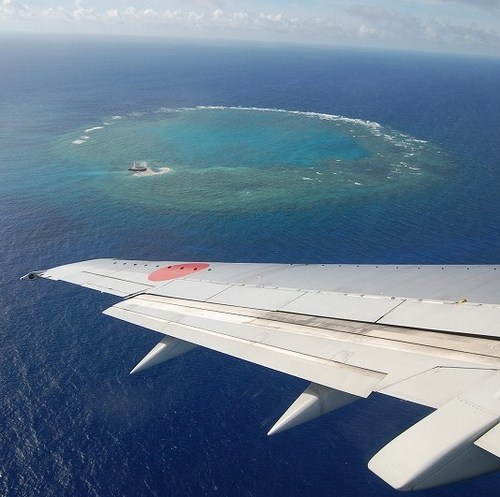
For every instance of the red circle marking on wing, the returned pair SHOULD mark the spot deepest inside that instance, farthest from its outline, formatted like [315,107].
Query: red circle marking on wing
[176,271]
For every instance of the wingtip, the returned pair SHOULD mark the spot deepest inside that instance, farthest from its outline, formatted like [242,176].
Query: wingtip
[32,275]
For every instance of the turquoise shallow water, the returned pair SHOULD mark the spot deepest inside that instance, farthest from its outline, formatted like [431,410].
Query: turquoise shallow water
[229,160]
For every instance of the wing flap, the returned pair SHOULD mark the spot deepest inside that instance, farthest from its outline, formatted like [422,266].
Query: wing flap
[395,363]
[251,343]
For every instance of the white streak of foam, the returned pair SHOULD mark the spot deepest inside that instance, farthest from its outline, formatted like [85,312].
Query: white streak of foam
[117,117]
[81,139]
[95,128]
[327,117]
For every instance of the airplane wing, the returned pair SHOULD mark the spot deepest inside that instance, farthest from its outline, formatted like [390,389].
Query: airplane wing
[426,334]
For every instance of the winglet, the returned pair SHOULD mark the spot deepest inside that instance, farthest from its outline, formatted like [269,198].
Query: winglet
[313,402]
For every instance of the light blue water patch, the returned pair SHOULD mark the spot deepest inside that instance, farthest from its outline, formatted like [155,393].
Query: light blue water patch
[230,159]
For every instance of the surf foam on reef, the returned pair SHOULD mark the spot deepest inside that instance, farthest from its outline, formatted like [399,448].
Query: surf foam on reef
[318,115]
[152,172]
[82,139]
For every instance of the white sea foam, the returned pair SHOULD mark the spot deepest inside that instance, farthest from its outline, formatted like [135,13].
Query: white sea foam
[81,139]
[319,115]
[94,128]
[163,110]
[117,117]
[152,172]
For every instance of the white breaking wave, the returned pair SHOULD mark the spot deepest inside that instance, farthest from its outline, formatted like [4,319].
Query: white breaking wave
[318,115]
[82,139]
[95,128]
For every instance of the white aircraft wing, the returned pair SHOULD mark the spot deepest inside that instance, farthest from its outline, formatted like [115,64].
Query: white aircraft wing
[426,334]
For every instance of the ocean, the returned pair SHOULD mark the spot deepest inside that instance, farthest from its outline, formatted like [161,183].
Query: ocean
[261,154]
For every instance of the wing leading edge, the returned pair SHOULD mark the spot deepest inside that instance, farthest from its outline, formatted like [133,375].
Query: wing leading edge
[427,334]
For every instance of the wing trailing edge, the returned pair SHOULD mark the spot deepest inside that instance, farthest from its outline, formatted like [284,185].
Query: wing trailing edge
[246,338]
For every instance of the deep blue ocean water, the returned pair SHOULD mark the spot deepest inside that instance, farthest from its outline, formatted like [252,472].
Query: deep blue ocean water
[73,421]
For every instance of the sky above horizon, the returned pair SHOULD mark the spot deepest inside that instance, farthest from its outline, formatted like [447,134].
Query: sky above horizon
[457,26]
